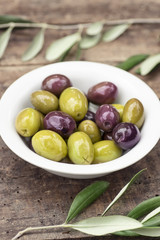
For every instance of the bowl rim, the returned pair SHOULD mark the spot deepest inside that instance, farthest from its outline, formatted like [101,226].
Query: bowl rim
[66,168]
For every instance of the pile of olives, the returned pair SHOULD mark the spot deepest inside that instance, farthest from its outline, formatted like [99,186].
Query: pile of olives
[61,124]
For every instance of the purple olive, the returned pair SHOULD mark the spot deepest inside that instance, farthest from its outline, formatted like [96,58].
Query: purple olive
[107,117]
[28,142]
[107,136]
[89,116]
[56,83]
[60,122]
[102,93]
[126,135]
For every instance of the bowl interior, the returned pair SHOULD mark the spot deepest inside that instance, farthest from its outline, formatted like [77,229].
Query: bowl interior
[82,75]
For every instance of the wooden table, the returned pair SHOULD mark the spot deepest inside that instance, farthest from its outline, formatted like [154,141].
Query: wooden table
[30,196]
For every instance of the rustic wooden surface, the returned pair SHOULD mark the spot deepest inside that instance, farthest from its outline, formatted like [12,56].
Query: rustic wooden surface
[29,196]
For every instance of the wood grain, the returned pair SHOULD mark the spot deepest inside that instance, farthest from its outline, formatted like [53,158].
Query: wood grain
[31,196]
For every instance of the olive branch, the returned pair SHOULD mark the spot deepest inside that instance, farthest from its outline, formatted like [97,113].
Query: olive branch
[87,35]
[142,220]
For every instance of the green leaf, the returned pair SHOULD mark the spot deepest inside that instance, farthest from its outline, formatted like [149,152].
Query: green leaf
[115,32]
[151,214]
[4,39]
[148,231]
[11,18]
[88,42]
[78,53]
[132,61]
[138,71]
[35,46]
[149,64]
[85,197]
[154,221]
[98,226]
[62,58]
[60,46]
[145,207]
[123,190]
[126,233]
[94,28]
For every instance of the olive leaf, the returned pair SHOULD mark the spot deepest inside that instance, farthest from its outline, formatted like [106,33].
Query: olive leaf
[4,39]
[123,190]
[94,28]
[78,53]
[115,32]
[144,207]
[148,231]
[126,233]
[62,58]
[141,210]
[98,226]
[88,42]
[149,64]
[154,221]
[85,197]
[138,71]
[35,46]
[132,61]
[60,46]
[151,214]
[150,220]
[11,18]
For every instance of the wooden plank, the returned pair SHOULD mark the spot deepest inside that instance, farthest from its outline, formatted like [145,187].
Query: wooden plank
[69,11]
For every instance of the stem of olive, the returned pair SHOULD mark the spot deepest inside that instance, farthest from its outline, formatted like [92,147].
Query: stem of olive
[84,25]
[29,229]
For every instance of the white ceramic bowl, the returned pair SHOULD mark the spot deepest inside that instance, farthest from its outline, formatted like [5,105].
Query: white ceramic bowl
[82,75]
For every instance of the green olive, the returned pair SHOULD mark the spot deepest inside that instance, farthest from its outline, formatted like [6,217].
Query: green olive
[73,102]
[27,122]
[80,148]
[133,112]
[91,129]
[50,145]
[119,108]
[44,101]
[105,151]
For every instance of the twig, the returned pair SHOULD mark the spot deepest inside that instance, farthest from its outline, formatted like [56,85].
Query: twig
[30,229]
[84,25]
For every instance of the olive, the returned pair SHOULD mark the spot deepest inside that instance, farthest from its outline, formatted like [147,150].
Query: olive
[91,129]
[28,142]
[133,112]
[80,148]
[103,92]
[60,122]
[50,145]
[107,117]
[105,151]
[56,83]
[27,122]
[107,136]
[73,102]
[44,101]
[126,135]
[89,116]
[119,108]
